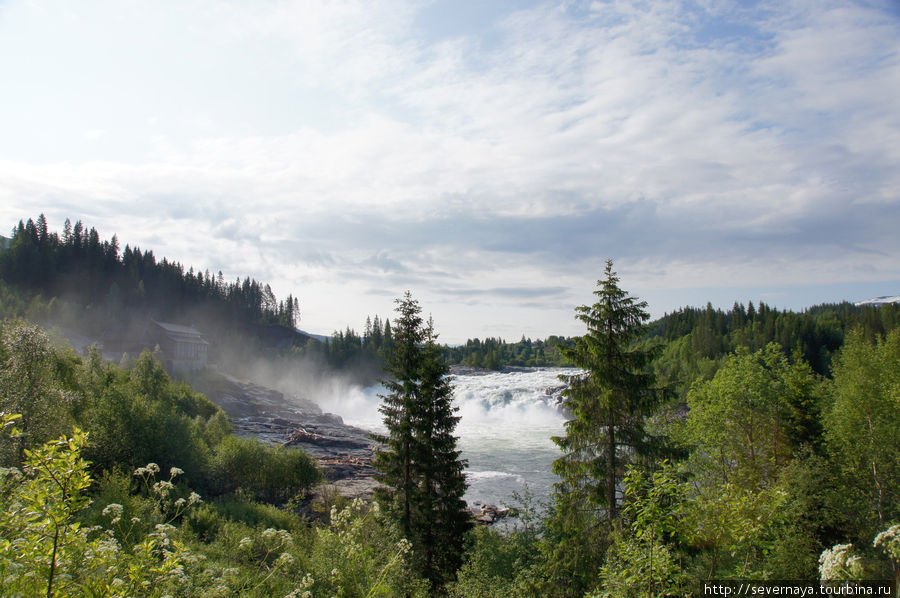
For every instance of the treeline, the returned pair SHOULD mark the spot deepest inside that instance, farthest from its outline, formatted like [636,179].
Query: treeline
[94,282]
[347,349]
[816,333]
[495,353]
[350,350]
[696,338]
[361,357]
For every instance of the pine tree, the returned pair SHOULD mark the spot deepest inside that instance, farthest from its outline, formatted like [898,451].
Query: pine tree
[608,403]
[419,464]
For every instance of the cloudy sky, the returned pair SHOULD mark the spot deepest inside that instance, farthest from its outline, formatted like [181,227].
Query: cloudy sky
[488,155]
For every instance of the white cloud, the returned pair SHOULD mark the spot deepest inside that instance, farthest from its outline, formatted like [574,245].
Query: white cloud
[307,142]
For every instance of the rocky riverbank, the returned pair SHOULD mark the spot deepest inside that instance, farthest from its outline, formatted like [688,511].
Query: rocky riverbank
[344,452]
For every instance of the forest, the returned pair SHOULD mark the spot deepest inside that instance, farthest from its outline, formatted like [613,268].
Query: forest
[748,444]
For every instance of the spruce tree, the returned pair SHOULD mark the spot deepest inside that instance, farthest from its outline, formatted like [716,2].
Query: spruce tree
[443,481]
[419,463]
[608,402]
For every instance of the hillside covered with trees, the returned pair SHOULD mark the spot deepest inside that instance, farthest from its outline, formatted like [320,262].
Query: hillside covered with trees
[77,278]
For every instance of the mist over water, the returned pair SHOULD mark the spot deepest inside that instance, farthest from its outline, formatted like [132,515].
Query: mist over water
[507,419]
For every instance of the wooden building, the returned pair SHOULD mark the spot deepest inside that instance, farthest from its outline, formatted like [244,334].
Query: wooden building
[183,347]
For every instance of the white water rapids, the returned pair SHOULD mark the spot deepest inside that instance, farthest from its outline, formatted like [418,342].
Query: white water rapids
[507,419]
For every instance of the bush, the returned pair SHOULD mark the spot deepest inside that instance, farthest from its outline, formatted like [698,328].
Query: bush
[240,509]
[270,474]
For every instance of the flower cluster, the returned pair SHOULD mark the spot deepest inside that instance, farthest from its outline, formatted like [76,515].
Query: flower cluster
[839,563]
[303,590]
[889,541]
[148,470]
[269,548]
[114,512]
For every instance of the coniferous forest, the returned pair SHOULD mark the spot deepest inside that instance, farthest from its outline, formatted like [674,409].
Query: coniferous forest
[748,444]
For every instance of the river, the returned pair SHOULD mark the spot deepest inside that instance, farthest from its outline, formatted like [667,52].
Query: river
[507,420]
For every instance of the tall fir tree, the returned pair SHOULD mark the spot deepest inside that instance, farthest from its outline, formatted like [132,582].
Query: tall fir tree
[608,402]
[420,464]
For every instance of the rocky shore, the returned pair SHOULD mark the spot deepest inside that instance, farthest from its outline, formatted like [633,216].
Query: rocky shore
[344,452]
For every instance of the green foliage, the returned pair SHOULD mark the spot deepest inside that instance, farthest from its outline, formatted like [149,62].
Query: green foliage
[609,403]
[737,527]
[643,559]
[29,386]
[699,337]
[811,517]
[363,555]
[240,507]
[45,550]
[749,419]
[138,416]
[863,429]
[501,563]
[41,544]
[272,474]
[758,508]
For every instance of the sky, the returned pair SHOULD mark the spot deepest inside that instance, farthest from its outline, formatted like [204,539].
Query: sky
[488,156]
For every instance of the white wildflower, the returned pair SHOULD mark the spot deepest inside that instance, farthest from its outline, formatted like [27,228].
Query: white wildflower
[163,489]
[114,512]
[839,563]
[269,534]
[889,541]
[174,471]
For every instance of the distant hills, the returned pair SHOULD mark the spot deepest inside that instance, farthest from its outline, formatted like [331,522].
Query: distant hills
[319,337]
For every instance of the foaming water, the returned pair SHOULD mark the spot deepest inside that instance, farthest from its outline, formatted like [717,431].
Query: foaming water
[507,420]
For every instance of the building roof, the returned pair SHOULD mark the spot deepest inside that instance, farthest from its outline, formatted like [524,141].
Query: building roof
[184,332]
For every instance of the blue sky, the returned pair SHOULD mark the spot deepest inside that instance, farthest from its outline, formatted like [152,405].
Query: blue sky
[487,156]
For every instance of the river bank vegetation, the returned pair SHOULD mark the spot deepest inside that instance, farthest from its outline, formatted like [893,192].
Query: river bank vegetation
[743,444]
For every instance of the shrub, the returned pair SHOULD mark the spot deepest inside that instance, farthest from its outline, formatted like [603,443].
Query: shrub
[270,474]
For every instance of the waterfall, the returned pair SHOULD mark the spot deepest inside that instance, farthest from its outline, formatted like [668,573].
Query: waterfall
[507,420]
